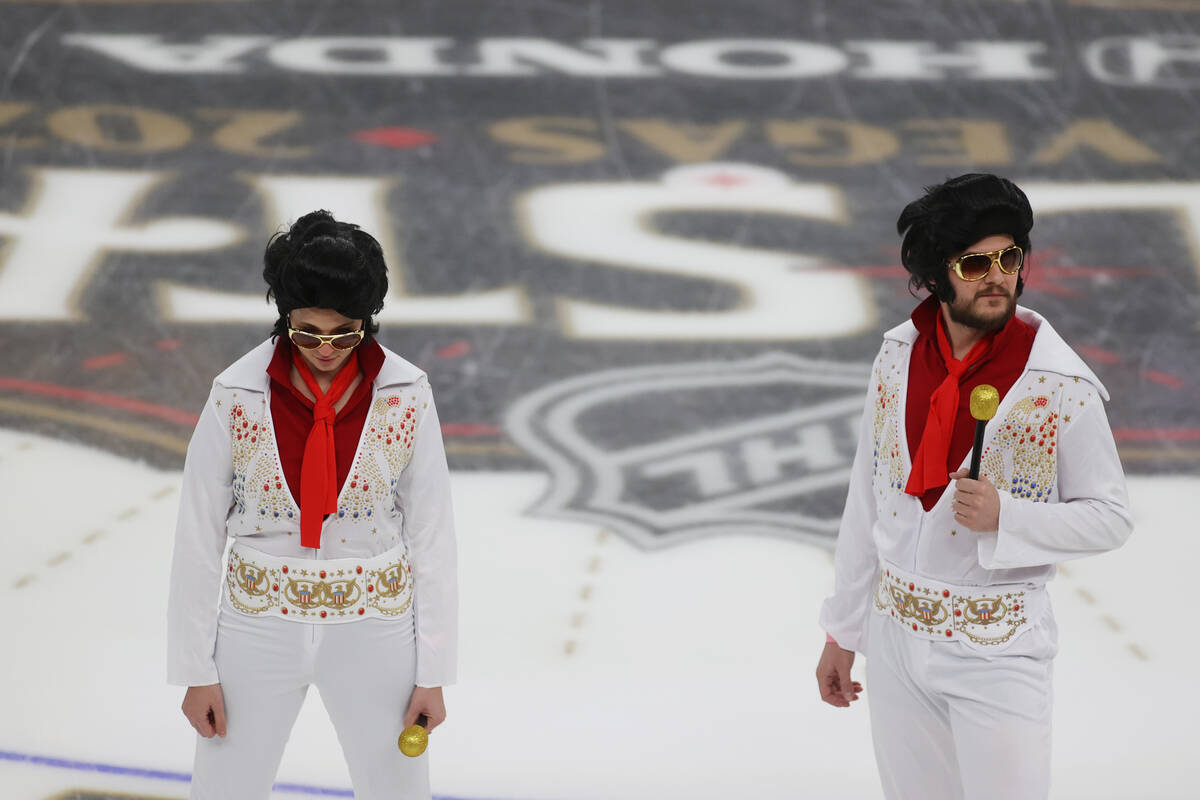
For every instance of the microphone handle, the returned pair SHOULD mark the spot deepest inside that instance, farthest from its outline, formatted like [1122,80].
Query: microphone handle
[977,450]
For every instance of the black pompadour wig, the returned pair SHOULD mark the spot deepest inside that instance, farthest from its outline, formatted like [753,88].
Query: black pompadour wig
[322,263]
[952,216]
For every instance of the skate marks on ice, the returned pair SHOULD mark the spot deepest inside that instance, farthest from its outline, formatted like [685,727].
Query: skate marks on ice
[1107,616]
[595,564]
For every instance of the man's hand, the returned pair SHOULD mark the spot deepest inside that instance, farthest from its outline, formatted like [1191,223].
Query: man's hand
[833,676]
[204,707]
[428,702]
[976,503]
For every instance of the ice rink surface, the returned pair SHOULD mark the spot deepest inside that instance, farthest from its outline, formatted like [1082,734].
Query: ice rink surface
[645,250]
[590,669]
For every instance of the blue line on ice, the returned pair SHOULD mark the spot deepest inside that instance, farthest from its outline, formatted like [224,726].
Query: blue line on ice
[166,775]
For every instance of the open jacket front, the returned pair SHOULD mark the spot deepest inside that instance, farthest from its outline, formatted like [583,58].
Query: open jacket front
[396,494]
[1048,450]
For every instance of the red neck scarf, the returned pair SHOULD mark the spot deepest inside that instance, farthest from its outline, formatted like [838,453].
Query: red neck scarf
[318,471]
[929,464]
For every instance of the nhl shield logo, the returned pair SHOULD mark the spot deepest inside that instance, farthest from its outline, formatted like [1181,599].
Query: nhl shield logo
[666,453]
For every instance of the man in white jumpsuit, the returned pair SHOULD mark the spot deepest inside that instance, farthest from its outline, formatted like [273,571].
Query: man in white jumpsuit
[941,579]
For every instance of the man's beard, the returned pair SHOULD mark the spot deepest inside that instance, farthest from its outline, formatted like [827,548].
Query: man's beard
[965,315]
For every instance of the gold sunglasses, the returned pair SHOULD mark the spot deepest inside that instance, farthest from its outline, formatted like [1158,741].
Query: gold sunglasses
[339,341]
[976,266]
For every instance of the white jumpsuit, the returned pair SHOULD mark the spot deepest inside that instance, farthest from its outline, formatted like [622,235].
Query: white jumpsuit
[962,710]
[267,634]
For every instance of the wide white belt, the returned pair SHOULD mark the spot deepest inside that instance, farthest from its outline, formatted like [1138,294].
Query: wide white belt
[318,591]
[939,611]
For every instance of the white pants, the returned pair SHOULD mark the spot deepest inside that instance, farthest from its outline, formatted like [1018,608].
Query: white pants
[365,672]
[950,723]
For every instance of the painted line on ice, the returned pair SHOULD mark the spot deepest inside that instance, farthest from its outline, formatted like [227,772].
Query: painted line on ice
[90,766]
[454,432]
[105,361]
[167,775]
[126,430]
[1156,434]
[107,399]
[451,430]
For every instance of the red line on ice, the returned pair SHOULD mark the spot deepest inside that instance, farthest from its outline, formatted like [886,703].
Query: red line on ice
[396,137]
[1157,434]
[106,360]
[470,429]
[1099,354]
[1162,378]
[174,414]
[454,349]
[100,399]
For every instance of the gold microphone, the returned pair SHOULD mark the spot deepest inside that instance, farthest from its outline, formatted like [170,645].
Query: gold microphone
[984,400]
[415,738]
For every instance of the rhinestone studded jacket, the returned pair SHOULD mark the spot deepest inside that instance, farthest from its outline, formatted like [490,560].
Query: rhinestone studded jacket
[1048,450]
[396,495]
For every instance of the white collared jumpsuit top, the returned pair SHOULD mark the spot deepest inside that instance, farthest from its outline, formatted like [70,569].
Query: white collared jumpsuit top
[963,710]
[394,507]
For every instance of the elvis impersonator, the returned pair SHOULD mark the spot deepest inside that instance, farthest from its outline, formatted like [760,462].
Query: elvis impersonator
[940,579]
[319,454]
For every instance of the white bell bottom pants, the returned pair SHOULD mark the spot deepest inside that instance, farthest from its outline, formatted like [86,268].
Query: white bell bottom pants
[365,672]
[950,723]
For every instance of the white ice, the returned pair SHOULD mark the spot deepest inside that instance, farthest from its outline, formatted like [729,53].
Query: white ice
[589,668]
